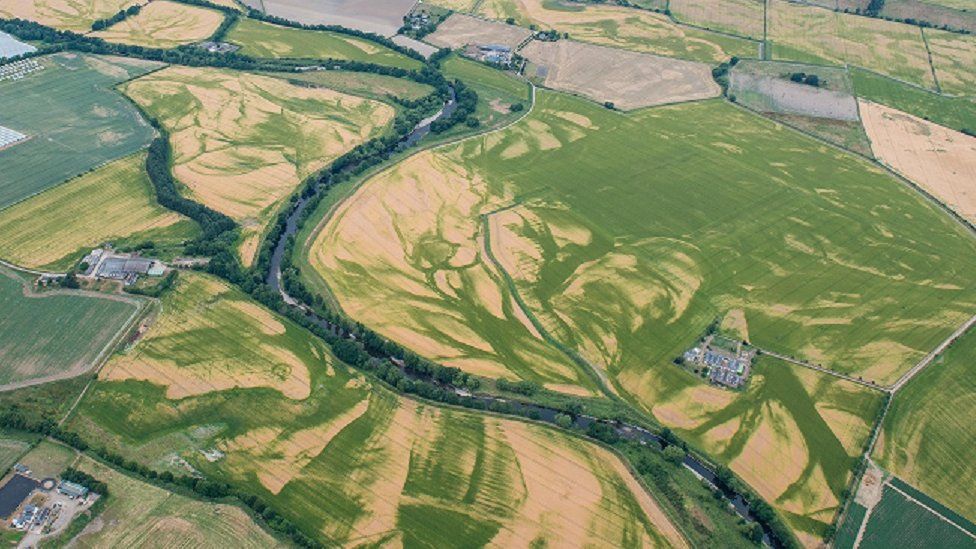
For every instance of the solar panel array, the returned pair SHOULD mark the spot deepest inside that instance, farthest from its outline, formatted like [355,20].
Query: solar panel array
[9,137]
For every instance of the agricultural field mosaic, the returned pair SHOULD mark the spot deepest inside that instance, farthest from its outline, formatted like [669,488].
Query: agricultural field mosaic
[926,434]
[74,119]
[114,203]
[625,28]
[346,461]
[243,142]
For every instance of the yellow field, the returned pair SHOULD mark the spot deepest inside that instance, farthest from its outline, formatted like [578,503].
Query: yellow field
[954,58]
[243,142]
[940,160]
[164,24]
[239,344]
[626,28]
[73,15]
[422,300]
[742,17]
[805,33]
[140,514]
[534,482]
[114,201]
[456,5]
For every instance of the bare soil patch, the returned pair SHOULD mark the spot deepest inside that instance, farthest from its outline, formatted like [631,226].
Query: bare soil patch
[460,30]
[940,160]
[771,94]
[379,16]
[628,79]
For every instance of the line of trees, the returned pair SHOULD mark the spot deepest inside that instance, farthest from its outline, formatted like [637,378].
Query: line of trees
[100,24]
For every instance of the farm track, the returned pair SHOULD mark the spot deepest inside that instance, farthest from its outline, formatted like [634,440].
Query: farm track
[823,370]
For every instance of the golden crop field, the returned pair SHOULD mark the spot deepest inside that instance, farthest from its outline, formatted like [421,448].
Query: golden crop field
[54,229]
[73,15]
[243,142]
[164,24]
[625,28]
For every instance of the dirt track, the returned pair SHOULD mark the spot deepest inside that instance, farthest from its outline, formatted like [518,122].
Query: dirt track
[629,80]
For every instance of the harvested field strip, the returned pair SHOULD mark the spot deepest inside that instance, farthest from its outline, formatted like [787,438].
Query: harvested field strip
[73,15]
[927,433]
[628,80]
[953,112]
[113,202]
[243,142]
[742,17]
[811,34]
[139,514]
[625,28]
[260,39]
[364,84]
[462,30]
[74,119]
[940,160]
[164,24]
[211,337]
[55,334]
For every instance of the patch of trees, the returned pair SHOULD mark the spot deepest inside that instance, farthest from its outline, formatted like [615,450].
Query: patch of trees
[159,288]
[874,8]
[524,387]
[230,19]
[808,79]
[467,101]
[80,477]
[100,24]
[721,73]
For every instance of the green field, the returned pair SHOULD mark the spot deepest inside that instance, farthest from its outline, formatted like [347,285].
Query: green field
[114,203]
[11,450]
[816,35]
[363,84]
[140,514]
[954,112]
[722,214]
[497,91]
[211,336]
[48,459]
[74,119]
[54,333]
[624,272]
[899,522]
[347,462]
[260,39]
[847,531]
[928,432]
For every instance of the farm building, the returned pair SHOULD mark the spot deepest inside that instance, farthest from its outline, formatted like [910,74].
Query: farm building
[102,263]
[72,489]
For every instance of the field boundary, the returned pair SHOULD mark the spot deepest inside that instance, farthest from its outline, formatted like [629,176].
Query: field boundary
[929,509]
